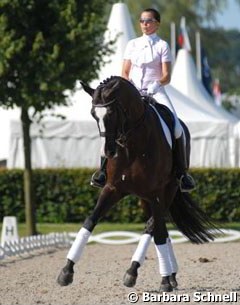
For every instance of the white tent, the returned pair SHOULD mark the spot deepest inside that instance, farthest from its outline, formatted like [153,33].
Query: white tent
[184,79]
[57,144]
[6,116]
[209,136]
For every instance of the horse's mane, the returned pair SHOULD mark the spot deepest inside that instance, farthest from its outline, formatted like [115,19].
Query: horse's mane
[107,80]
[115,78]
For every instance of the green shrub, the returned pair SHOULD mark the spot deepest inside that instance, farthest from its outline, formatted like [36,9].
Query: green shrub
[64,195]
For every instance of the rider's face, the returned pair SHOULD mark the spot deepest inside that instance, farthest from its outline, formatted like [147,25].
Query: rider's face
[148,23]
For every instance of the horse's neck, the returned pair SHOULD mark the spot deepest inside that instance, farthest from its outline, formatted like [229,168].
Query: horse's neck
[137,111]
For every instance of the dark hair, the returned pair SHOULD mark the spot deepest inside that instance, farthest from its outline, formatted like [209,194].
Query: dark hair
[155,13]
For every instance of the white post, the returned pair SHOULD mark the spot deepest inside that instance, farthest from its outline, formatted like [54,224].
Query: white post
[198,56]
[9,230]
[173,42]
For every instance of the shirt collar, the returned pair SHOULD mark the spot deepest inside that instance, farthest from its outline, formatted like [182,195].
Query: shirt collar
[152,37]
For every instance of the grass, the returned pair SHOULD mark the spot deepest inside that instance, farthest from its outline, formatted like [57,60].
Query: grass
[44,228]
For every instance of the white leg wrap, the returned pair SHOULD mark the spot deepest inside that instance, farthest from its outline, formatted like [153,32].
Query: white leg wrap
[140,253]
[78,245]
[172,257]
[163,259]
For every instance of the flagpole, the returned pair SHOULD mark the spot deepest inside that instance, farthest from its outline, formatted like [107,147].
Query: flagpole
[173,42]
[198,56]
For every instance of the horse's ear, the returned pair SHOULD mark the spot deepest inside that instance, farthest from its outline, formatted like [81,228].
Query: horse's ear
[86,88]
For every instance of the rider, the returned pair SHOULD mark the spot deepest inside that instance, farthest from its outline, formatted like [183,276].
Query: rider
[147,64]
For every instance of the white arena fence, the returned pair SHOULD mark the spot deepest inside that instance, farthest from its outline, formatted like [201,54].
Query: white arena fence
[28,245]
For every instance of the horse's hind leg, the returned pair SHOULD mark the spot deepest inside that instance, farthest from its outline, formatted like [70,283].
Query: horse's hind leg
[107,198]
[162,251]
[166,258]
[139,255]
[173,263]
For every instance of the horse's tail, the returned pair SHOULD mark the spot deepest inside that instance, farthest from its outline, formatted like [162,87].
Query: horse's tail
[191,220]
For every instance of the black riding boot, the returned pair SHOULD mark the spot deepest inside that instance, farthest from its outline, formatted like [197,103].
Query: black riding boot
[99,177]
[186,182]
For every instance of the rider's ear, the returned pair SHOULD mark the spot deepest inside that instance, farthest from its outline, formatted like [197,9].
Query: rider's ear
[86,88]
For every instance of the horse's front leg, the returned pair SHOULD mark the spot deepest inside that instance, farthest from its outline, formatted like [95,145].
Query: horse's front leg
[130,277]
[106,200]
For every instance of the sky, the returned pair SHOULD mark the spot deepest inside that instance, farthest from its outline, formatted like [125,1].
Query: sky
[230,18]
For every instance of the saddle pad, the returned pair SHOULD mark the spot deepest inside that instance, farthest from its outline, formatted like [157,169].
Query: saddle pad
[167,128]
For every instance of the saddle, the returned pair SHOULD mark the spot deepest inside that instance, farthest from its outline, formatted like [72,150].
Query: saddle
[165,113]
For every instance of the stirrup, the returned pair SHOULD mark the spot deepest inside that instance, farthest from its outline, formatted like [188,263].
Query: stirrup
[189,187]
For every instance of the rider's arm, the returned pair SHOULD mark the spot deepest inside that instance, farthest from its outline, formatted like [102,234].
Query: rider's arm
[126,68]
[166,73]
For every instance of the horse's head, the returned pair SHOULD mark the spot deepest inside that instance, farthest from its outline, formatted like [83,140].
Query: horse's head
[113,108]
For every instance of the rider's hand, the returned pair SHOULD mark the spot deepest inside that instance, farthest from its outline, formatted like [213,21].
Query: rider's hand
[153,87]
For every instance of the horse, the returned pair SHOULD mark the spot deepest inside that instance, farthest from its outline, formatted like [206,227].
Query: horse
[141,163]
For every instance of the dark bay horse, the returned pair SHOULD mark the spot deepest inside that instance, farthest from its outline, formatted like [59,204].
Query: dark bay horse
[140,162]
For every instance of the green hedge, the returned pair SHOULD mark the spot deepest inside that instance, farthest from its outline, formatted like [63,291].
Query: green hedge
[64,195]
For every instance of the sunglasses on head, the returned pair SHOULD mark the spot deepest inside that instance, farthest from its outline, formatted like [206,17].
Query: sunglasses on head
[147,20]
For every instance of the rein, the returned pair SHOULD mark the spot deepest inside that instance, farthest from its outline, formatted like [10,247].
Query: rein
[122,139]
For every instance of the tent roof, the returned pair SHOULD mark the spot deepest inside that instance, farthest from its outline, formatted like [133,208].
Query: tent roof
[184,78]
[120,28]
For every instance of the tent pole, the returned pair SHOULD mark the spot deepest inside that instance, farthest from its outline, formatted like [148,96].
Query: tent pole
[173,42]
[198,56]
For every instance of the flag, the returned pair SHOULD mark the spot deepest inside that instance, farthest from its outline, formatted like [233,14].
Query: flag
[206,72]
[217,94]
[183,39]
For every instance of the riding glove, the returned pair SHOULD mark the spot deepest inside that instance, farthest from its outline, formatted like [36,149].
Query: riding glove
[153,87]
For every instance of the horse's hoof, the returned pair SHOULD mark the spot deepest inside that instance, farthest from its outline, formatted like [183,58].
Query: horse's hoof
[166,284]
[65,278]
[129,280]
[166,287]
[173,280]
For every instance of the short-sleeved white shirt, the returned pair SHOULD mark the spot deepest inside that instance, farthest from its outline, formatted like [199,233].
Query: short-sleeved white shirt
[145,70]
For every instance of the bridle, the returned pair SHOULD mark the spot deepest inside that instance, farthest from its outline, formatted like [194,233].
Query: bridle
[124,133]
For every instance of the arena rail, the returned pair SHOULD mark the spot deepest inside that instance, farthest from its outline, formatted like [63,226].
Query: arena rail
[27,245]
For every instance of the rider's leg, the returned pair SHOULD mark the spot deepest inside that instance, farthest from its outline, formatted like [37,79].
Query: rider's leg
[99,177]
[186,182]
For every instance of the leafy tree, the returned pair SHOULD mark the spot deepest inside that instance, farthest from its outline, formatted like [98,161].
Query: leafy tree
[45,47]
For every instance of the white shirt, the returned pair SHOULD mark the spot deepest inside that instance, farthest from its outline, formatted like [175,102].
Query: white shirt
[146,54]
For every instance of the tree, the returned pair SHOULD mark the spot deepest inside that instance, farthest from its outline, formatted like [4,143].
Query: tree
[45,47]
